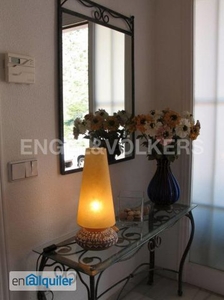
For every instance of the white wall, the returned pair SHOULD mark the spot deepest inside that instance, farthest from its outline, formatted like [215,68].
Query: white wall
[42,208]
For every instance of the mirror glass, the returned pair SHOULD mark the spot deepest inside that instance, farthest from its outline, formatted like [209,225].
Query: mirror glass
[95,72]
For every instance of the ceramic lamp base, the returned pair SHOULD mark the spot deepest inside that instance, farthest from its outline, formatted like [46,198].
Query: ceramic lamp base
[96,239]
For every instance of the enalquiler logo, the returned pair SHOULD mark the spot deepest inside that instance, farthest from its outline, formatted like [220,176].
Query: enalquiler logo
[39,281]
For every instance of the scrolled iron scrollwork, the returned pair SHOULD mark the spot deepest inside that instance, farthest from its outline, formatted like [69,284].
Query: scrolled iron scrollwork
[131,236]
[88,259]
[126,237]
[102,14]
[59,268]
[64,249]
[161,216]
[154,243]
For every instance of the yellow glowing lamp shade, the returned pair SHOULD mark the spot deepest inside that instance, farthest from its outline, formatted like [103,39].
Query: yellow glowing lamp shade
[96,208]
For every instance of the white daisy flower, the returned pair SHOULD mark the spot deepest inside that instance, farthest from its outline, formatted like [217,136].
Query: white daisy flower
[152,128]
[183,128]
[156,114]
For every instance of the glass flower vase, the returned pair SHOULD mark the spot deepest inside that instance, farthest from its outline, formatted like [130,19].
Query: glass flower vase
[163,189]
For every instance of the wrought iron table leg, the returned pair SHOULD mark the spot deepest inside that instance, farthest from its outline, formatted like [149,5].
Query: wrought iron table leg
[151,266]
[40,294]
[91,292]
[92,295]
[154,242]
[180,273]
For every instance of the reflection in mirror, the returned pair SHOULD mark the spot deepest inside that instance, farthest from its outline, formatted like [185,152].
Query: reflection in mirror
[96,72]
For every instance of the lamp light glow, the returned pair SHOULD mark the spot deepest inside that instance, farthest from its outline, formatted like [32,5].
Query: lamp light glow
[96,206]
[96,209]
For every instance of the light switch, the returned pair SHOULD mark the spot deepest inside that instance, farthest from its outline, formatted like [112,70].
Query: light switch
[34,170]
[18,171]
[28,169]
[23,169]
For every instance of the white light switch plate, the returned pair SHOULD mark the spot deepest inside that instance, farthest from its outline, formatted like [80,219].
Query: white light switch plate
[18,171]
[23,169]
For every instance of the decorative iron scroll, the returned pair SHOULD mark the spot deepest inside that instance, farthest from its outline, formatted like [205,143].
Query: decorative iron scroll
[125,238]
[102,14]
[154,243]
[159,217]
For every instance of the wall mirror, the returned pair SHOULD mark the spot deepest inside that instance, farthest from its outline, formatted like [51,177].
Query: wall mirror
[96,71]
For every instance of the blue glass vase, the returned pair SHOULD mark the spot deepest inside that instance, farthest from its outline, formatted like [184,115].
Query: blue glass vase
[163,189]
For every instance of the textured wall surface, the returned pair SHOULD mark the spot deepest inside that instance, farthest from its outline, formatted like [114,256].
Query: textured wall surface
[42,208]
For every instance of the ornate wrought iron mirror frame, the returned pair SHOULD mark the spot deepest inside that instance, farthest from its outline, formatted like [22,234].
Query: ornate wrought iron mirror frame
[101,15]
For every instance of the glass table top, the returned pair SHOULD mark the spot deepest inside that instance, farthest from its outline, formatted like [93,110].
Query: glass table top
[130,239]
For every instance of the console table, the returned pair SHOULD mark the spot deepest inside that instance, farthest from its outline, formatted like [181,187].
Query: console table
[68,255]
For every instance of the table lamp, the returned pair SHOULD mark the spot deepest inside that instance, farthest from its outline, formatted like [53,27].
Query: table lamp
[96,209]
